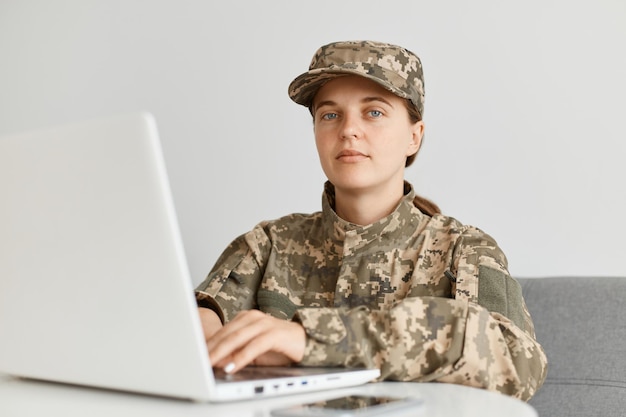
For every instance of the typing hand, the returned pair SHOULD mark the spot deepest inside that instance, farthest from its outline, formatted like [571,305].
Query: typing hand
[210,321]
[254,337]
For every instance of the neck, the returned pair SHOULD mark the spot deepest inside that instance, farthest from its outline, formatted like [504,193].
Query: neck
[367,208]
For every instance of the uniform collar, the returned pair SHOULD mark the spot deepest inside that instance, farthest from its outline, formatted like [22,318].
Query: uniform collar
[395,223]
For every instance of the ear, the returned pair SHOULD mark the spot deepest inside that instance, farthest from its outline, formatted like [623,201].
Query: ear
[417,133]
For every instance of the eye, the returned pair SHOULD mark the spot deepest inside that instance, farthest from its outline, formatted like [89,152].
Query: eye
[329,116]
[375,113]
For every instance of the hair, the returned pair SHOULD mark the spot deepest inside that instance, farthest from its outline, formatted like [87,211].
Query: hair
[423,204]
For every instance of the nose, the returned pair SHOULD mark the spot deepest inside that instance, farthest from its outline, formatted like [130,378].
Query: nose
[350,127]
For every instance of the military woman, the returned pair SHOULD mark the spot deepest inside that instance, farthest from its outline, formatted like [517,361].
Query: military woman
[379,277]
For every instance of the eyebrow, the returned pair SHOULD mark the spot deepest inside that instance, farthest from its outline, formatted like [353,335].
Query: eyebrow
[368,99]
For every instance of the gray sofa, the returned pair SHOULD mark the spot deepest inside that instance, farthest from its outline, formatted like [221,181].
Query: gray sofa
[581,323]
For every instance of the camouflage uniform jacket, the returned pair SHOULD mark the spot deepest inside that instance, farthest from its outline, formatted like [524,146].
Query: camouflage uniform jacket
[421,298]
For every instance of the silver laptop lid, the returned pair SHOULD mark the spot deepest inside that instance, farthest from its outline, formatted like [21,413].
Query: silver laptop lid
[94,285]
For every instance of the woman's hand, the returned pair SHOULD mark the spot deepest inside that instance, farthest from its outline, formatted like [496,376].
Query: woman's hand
[210,321]
[254,337]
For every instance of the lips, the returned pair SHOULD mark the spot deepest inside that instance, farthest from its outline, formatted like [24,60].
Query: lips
[350,155]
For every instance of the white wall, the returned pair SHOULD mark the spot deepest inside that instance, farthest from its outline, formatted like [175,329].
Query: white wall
[524,109]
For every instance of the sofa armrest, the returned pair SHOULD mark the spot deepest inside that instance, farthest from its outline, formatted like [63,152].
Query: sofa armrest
[580,322]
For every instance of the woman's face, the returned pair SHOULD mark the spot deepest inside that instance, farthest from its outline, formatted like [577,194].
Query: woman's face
[363,135]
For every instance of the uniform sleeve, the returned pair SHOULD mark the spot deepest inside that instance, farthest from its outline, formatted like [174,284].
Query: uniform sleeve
[232,284]
[481,340]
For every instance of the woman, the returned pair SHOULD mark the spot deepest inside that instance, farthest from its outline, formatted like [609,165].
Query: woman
[378,278]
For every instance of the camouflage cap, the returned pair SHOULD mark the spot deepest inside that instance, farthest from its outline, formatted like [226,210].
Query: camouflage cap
[395,68]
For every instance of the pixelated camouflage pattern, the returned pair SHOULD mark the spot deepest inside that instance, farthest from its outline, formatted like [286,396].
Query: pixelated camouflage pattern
[400,295]
[395,68]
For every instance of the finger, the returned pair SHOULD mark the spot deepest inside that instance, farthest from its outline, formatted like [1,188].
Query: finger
[241,320]
[276,342]
[250,352]
[233,338]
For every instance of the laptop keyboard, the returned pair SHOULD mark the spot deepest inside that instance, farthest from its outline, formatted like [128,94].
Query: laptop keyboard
[257,372]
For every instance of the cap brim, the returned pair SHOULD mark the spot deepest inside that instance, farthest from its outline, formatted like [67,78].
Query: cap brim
[303,88]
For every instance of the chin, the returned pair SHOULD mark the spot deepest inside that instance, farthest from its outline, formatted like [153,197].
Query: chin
[355,184]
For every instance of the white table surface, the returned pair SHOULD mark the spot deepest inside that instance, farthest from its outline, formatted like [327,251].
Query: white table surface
[20,397]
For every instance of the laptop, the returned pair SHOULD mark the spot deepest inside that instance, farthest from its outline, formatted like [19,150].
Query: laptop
[94,284]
